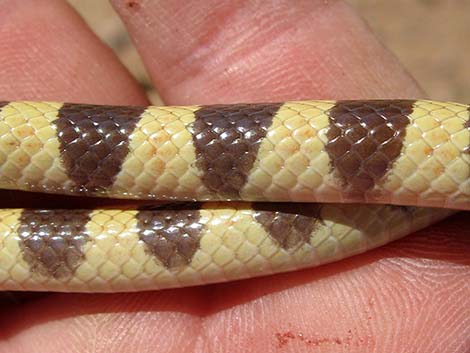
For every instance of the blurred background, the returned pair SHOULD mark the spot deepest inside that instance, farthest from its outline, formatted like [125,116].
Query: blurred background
[430,37]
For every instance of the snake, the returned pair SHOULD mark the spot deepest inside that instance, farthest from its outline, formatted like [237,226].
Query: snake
[210,193]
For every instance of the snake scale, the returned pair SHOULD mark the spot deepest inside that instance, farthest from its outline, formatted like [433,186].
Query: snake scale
[244,190]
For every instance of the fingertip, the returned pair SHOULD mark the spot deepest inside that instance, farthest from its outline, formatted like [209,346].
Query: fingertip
[49,53]
[223,51]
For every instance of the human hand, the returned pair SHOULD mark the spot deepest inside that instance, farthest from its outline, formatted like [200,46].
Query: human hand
[412,295]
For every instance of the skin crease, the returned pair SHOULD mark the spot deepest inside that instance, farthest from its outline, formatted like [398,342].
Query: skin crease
[411,295]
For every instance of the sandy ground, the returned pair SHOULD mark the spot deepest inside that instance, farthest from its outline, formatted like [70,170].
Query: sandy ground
[431,38]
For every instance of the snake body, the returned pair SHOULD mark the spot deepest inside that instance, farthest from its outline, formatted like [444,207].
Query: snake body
[266,187]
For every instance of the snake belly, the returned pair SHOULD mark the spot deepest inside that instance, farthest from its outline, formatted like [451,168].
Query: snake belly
[287,173]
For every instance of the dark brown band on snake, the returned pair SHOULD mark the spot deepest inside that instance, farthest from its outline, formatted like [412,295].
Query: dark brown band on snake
[3,103]
[52,241]
[365,139]
[171,235]
[227,139]
[94,142]
[288,224]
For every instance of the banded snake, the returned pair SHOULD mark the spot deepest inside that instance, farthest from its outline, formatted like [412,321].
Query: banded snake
[243,190]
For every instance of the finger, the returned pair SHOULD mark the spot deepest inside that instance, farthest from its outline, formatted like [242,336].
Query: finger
[48,53]
[229,51]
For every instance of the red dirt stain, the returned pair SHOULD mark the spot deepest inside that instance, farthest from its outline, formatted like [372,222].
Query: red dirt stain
[284,338]
[133,5]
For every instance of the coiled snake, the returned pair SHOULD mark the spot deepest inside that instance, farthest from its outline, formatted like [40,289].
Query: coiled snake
[302,184]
